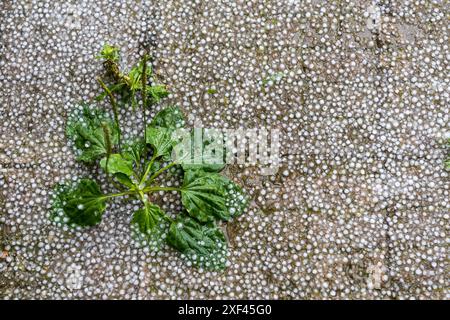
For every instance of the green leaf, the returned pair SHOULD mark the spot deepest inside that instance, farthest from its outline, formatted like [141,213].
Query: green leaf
[149,226]
[154,168]
[125,180]
[135,76]
[161,129]
[170,117]
[202,244]
[209,167]
[109,52]
[207,195]
[156,93]
[203,163]
[199,142]
[117,164]
[134,151]
[121,166]
[161,140]
[79,204]
[84,128]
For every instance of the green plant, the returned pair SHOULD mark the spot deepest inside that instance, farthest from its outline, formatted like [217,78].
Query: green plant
[133,167]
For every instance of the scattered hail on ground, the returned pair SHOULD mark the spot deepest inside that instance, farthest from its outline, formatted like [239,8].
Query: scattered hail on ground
[358,90]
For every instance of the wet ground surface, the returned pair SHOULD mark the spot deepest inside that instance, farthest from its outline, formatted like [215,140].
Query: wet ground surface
[358,89]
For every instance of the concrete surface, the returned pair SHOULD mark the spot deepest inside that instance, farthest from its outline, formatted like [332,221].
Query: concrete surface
[359,208]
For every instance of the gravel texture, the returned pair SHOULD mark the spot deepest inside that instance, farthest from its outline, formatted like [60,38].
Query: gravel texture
[359,90]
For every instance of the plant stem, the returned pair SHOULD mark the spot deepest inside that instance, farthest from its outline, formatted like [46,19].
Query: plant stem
[151,189]
[144,93]
[107,135]
[108,145]
[147,170]
[141,196]
[112,195]
[145,202]
[157,173]
[116,185]
[114,107]
[113,68]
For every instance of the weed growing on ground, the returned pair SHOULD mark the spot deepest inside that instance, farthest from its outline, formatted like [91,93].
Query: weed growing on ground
[132,168]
